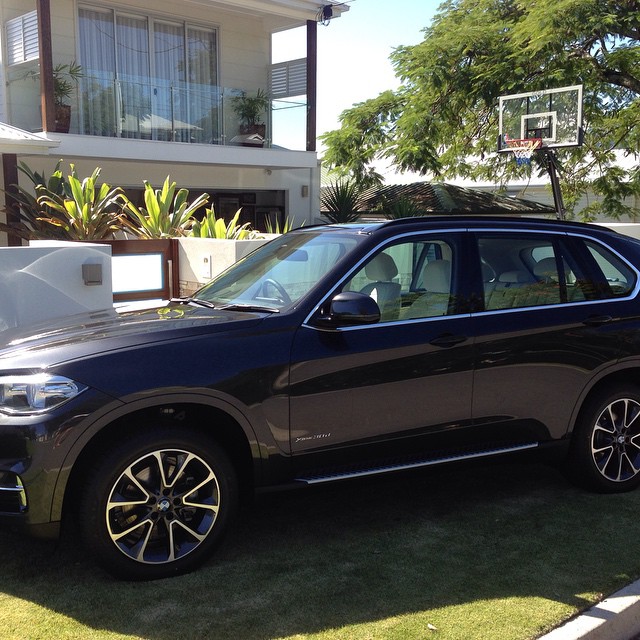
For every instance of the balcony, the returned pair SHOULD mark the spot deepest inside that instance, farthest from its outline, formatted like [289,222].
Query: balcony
[157,110]
[201,114]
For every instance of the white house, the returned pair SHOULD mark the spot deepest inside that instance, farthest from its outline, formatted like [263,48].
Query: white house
[158,95]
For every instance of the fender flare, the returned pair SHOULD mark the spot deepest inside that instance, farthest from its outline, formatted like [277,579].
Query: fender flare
[126,406]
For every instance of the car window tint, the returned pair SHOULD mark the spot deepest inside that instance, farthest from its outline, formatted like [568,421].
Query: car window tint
[620,278]
[408,280]
[528,271]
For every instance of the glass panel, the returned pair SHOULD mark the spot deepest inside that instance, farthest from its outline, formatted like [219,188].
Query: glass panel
[169,102]
[205,100]
[408,280]
[165,92]
[137,273]
[620,278]
[133,94]
[281,272]
[97,53]
[521,271]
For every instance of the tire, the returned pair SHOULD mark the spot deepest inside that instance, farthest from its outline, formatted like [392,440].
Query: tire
[158,504]
[605,451]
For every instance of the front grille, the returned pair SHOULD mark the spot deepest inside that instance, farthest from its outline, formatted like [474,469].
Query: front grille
[13,498]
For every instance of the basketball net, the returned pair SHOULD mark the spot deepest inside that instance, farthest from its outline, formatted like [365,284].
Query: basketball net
[523,149]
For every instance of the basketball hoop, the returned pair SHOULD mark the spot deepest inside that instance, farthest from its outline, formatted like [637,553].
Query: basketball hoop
[523,148]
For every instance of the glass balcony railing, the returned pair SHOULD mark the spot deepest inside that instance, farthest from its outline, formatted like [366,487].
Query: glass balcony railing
[159,110]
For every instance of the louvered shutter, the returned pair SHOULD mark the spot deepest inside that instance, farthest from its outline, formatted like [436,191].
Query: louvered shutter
[289,79]
[22,38]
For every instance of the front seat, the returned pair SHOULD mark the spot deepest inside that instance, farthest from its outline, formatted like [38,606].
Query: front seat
[382,270]
[436,280]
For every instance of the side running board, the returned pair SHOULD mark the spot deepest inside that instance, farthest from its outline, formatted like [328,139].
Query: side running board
[414,464]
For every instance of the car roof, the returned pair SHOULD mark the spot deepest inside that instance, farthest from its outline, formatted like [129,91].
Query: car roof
[467,222]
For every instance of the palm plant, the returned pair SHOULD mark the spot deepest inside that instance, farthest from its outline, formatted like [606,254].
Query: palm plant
[341,201]
[402,207]
[212,227]
[166,214]
[85,210]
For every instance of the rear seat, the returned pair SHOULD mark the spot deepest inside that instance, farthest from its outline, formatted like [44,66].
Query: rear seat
[509,291]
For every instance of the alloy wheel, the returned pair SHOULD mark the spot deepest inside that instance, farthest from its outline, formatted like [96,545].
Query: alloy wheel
[163,506]
[615,440]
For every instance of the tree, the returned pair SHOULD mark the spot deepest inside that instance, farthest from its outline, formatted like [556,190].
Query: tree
[443,120]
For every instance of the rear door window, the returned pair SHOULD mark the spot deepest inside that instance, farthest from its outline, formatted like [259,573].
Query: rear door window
[530,270]
[620,279]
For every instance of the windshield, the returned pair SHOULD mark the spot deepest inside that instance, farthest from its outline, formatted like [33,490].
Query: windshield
[281,272]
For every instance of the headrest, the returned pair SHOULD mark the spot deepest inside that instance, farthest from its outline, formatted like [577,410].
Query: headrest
[488,274]
[547,268]
[381,269]
[436,276]
[514,277]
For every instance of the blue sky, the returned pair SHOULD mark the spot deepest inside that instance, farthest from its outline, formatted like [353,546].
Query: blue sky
[353,56]
[353,52]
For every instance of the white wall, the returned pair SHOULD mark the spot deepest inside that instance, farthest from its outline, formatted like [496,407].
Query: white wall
[45,281]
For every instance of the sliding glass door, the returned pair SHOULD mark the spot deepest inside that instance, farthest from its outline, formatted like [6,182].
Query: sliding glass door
[148,78]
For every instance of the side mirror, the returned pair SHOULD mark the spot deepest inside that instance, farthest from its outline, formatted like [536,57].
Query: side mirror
[351,308]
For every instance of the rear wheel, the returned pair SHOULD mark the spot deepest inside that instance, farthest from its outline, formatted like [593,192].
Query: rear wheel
[605,452]
[158,504]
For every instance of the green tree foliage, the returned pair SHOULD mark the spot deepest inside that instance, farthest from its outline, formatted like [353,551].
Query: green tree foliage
[443,120]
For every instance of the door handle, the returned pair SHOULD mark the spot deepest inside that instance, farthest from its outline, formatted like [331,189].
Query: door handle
[447,340]
[597,321]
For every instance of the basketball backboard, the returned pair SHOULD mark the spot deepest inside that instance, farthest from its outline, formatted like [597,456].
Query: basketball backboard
[553,115]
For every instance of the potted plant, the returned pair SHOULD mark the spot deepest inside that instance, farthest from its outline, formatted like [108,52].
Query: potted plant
[65,81]
[249,109]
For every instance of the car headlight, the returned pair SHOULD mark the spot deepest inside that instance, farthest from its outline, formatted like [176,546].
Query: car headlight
[35,393]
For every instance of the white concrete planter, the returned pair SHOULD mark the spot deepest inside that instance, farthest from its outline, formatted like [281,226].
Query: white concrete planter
[201,259]
[49,280]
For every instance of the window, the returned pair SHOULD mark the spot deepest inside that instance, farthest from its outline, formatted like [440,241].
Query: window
[529,271]
[148,78]
[22,39]
[409,280]
[620,278]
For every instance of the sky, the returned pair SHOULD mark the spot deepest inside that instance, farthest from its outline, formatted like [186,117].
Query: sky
[354,50]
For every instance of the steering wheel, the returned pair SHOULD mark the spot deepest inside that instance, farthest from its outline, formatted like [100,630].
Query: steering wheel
[283,296]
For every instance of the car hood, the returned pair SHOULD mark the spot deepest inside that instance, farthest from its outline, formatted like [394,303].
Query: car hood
[80,335]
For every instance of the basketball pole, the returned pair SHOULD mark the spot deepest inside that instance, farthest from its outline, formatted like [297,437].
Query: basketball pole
[552,167]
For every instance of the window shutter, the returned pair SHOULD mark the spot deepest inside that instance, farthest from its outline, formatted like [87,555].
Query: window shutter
[22,38]
[289,78]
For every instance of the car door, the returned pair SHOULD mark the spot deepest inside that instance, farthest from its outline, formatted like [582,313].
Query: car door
[405,380]
[547,329]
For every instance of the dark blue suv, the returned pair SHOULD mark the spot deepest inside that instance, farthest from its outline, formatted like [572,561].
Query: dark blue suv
[330,353]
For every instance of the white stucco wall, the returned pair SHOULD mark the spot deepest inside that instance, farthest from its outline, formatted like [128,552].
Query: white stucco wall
[45,281]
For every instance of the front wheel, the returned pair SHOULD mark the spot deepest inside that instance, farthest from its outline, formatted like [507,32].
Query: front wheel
[158,504]
[605,452]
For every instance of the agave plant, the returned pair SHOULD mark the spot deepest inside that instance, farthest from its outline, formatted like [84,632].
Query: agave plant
[275,227]
[85,210]
[166,214]
[341,201]
[212,227]
[29,219]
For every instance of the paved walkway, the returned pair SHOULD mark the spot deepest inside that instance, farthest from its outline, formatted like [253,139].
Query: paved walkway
[615,618]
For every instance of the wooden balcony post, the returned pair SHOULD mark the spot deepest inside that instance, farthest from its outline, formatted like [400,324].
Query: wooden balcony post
[46,65]
[312,83]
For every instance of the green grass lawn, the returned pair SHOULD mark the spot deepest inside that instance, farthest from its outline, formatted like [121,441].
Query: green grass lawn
[502,552]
